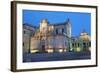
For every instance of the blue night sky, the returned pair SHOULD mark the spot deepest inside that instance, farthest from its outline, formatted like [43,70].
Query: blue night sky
[78,20]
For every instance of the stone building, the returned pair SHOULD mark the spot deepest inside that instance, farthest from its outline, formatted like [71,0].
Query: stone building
[81,43]
[54,37]
[28,31]
[51,37]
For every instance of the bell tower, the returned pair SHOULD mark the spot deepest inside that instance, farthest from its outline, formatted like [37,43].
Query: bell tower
[68,27]
[43,25]
[43,34]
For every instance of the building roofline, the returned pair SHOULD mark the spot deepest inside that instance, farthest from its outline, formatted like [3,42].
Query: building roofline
[61,23]
[57,24]
[30,25]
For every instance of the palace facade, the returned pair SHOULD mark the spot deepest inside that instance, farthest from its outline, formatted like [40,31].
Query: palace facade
[54,38]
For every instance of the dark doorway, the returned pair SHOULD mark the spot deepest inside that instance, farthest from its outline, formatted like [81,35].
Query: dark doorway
[43,48]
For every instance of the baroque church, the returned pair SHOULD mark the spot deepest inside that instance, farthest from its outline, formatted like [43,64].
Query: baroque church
[53,38]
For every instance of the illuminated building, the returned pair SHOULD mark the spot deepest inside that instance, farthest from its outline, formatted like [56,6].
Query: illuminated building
[28,31]
[51,37]
[54,37]
[81,43]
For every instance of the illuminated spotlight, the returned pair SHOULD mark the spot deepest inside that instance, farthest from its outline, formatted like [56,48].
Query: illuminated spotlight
[89,48]
[50,50]
[65,50]
[60,50]
[34,51]
[71,49]
[78,49]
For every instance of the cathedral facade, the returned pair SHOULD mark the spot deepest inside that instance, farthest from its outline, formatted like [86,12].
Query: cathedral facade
[51,37]
[54,38]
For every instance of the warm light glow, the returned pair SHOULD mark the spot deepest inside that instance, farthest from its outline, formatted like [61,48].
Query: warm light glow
[85,36]
[51,28]
[50,50]
[89,48]
[65,50]
[71,49]
[34,51]
[43,26]
[60,50]
[78,49]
